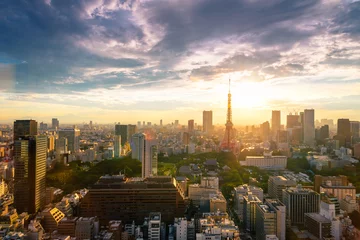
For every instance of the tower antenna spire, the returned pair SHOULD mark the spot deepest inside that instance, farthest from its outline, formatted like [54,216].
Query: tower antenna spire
[229,84]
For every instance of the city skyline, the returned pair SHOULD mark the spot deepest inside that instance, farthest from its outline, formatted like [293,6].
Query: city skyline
[109,60]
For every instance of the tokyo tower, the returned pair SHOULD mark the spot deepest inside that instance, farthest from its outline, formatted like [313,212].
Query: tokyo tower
[228,143]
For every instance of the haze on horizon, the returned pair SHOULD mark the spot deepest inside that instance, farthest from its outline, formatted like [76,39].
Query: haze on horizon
[146,60]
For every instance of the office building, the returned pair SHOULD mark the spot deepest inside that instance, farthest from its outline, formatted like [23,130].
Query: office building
[265,131]
[318,225]
[298,201]
[340,192]
[343,132]
[24,128]
[355,129]
[309,127]
[150,165]
[62,146]
[275,122]
[126,132]
[340,180]
[357,150]
[43,126]
[161,122]
[30,171]
[250,202]
[207,121]
[267,161]
[186,138]
[51,218]
[122,130]
[67,226]
[117,146]
[292,121]
[55,123]
[73,138]
[270,219]
[323,133]
[86,228]
[118,198]
[138,150]
[276,185]
[132,129]
[191,126]
[349,204]
[154,226]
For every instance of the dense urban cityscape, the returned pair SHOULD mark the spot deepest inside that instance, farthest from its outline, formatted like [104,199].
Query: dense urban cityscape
[297,180]
[179,120]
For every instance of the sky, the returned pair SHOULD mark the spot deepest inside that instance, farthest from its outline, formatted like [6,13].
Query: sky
[145,60]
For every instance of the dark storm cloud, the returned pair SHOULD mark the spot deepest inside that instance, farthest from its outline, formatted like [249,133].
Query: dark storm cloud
[347,20]
[40,37]
[207,19]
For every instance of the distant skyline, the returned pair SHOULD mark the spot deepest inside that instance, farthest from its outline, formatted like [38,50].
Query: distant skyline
[146,60]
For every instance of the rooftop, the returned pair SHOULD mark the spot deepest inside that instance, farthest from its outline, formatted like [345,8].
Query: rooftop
[317,217]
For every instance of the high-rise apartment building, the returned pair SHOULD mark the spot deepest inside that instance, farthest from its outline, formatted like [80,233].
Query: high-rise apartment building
[30,172]
[191,126]
[309,127]
[270,219]
[207,121]
[73,137]
[298,201]
[276,185]
[117,146]
[24,128]
[55,123]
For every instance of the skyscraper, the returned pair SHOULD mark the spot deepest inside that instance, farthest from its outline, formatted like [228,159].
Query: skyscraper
[117,146]
[126,132]
[355,129]
[343,132]
[73,137]
[55,123]
[292,121]
[30,172]
[146,151]
[150,161]
[275,122]
[265,130]
[207,121]
[191,126]
[122,130]
[309,127]
[24,128]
